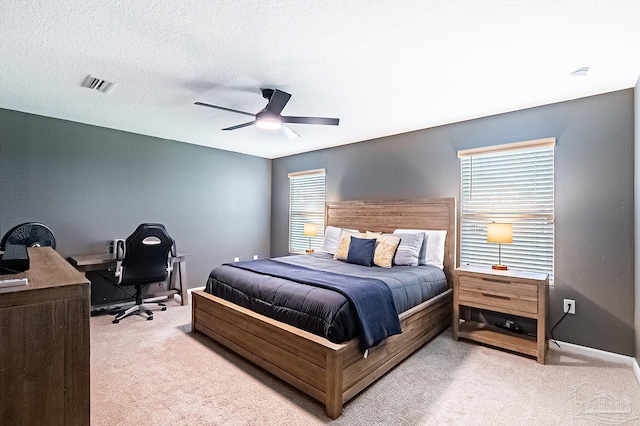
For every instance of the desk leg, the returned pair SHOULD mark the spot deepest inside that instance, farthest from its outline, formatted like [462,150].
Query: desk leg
[182,275]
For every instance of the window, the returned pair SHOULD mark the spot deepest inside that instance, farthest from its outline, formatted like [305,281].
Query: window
[306,205]
[512,183]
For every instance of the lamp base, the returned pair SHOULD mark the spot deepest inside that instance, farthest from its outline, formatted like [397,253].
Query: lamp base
[499,267]
[309,251]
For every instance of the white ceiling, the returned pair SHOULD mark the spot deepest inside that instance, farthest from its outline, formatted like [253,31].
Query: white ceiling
[382,67]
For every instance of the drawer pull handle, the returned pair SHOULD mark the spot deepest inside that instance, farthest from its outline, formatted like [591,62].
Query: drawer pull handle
[497,281]
[495,296]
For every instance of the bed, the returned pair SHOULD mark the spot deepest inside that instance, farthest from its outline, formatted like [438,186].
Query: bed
[333,373]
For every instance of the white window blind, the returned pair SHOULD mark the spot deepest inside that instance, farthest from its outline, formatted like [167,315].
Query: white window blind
[512,183]
[306,205]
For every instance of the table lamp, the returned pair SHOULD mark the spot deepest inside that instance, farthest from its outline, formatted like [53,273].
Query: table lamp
[499,233]
[310,230]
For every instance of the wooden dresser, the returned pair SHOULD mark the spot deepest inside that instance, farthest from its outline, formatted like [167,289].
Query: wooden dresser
[44,344]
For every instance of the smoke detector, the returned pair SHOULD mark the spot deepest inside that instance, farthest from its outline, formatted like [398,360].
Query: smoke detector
[98,84]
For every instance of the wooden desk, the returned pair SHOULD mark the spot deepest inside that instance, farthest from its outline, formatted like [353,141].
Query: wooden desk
[44,344]
[101,262]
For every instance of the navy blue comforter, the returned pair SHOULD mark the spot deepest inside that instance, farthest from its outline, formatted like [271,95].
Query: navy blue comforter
[316,309]
[371,298]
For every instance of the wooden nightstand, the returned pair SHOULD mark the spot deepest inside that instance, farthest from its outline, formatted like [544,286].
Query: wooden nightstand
[519,293]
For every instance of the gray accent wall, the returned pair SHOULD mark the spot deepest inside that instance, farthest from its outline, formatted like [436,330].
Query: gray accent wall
[637,216]
[91,184]
[594,171]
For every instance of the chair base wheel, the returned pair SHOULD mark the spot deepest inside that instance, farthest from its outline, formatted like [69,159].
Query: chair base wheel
[138,309]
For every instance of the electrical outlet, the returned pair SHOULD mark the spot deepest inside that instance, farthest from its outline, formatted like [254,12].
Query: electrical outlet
[572,309]
[236,259]
[255,257]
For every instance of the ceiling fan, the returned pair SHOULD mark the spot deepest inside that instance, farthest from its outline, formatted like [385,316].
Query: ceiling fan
[270,118]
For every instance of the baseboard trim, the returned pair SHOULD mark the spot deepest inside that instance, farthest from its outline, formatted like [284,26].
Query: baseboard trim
[598,354]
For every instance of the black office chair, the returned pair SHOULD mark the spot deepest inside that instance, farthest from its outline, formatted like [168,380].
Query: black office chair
[145,257]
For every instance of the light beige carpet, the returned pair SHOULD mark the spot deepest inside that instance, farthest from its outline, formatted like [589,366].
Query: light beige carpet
[158,373]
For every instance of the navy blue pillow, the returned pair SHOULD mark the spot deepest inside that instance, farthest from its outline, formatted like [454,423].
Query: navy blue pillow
[361,251]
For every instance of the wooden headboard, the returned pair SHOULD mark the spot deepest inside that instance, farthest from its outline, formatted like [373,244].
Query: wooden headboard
[386,216]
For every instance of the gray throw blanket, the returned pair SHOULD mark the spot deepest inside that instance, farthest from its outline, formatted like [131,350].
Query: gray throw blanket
[371,298]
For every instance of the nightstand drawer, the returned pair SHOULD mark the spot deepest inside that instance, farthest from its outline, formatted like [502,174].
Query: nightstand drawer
[499,293]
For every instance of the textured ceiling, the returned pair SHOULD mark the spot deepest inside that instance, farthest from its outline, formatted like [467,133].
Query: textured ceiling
[382,67]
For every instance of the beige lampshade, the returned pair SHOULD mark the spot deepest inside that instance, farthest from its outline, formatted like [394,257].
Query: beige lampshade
[310,229]
[499,233]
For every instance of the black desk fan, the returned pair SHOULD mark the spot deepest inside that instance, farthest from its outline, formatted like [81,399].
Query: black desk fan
[15,257]
[29,234]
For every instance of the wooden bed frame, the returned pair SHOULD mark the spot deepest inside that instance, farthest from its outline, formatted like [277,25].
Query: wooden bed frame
[335,373]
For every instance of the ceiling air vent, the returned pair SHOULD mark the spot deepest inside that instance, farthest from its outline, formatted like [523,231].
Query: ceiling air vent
[98,84]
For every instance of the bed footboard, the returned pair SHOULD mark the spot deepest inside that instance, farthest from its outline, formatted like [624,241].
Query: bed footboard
[331,373]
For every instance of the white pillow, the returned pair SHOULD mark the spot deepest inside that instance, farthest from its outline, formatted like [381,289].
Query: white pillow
[331,239]
[434,241]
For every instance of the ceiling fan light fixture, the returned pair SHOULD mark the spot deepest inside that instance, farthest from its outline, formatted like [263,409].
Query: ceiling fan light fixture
[269,117]
[264,120]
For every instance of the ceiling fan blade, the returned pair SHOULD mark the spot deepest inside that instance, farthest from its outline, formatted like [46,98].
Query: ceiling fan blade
[288,132]
[240,126]
[277,101]
[311,120]
[224,109]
